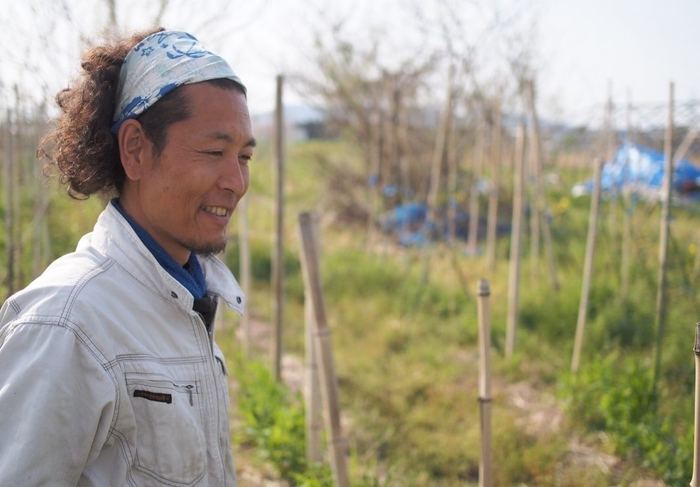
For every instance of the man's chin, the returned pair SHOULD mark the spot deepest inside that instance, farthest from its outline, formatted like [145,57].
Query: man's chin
[206,250]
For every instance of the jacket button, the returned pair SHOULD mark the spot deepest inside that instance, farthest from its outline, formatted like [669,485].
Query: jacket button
[238,299]
[173,294]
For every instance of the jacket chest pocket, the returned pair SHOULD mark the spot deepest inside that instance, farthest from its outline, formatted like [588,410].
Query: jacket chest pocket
[170,438]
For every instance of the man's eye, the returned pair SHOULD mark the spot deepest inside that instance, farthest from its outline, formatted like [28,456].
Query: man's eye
[216,153]
[246,158]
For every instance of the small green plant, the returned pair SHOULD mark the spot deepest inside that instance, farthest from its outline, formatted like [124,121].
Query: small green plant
[274,424]
[273,420]
[614,395]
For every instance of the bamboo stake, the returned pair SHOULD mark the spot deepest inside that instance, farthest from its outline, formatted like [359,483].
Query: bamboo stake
[479,146]
[278,251]
[532,184]
[312,393]
[492,224]
[9,205]
[452,168]
[485,463]
[324,350]
[18,178]
[373,179]
[685,145]
[695,480]
[45,234]
[607,151]
[661,296]
[626,219]
[439,150]
[244,258]
[516,238]
[588,265]
[39,199]
[436,170]
[540,199]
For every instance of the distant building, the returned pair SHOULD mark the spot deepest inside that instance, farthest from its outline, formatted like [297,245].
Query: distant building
[301,123]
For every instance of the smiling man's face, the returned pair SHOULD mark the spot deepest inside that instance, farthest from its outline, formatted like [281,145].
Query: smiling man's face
[184,198]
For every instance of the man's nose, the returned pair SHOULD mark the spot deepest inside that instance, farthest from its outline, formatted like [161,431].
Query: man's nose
[234,177]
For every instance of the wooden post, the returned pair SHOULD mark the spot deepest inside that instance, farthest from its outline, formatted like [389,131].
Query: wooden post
[312,392]
[661,296]
[515,241]
[244,258]
[324,350]
[588,265]
[492,223]
[485,464]
[695,480]
[278,251]
[479,147]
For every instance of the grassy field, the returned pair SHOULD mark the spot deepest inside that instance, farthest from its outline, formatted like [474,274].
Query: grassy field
[405,345]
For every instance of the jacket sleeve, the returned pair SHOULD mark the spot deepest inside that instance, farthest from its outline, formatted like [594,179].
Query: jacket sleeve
[56,404]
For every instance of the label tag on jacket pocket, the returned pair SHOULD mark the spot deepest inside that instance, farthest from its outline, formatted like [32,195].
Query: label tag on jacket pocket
[154,396]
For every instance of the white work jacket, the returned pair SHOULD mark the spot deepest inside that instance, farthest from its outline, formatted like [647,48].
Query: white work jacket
[107,376]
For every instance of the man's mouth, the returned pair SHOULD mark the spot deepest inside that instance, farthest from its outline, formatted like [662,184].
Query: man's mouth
[216,210]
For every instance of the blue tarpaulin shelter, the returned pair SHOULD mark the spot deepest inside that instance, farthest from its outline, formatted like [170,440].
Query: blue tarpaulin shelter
[640,170]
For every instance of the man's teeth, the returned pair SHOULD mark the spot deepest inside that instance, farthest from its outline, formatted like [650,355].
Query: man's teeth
[218,211]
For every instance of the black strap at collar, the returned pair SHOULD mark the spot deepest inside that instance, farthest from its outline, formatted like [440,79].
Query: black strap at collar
[206,307]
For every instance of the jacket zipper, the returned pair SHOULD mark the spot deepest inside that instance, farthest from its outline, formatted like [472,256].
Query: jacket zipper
[182,387]
[210,335]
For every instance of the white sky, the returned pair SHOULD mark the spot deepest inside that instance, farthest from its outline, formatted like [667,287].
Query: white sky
[584,46]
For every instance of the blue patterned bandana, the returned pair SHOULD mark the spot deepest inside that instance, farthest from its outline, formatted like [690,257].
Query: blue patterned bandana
[159,64]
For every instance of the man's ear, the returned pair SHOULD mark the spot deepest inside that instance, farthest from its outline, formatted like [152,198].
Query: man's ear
[134,148]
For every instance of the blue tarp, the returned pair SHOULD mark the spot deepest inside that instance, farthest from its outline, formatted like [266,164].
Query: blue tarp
[639,169]
[407,223]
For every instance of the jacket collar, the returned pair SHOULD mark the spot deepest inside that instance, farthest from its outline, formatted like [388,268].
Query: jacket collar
[113,236]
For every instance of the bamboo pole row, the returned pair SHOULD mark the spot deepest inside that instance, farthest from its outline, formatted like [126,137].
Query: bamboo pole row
[667,190]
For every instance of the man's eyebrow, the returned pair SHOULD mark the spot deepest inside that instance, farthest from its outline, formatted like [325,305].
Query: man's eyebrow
[226,137]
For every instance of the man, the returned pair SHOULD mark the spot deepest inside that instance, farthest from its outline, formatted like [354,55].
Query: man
[109,374]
